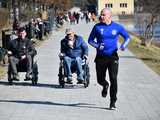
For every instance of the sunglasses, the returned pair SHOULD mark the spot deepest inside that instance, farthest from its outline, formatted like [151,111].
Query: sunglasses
[69,34]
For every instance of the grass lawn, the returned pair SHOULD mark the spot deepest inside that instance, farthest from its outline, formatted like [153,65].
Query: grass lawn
[149,55]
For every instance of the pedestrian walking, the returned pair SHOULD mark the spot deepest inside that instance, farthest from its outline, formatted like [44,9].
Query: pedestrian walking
[104,37]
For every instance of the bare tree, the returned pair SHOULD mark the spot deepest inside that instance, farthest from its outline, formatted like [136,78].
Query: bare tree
[152,7]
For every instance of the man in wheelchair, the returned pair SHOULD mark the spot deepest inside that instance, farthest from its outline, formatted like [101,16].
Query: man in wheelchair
[73,49]
[21,49]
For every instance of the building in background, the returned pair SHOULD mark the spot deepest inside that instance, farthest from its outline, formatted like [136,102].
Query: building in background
[118,7]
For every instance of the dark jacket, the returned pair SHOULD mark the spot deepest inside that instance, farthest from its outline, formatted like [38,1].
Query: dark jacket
[20,47]
[79,50]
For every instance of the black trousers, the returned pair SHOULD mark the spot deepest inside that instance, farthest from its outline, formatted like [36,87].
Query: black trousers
[110,63]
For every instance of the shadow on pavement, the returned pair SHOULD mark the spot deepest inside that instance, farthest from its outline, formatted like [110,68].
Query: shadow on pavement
[43,85]
[78,105]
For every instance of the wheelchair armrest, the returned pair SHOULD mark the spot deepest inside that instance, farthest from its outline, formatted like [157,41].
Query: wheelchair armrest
[61,56]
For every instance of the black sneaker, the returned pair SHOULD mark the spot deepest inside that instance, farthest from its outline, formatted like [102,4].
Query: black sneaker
[80,82]
[69,81]
[112,105]
[104,91]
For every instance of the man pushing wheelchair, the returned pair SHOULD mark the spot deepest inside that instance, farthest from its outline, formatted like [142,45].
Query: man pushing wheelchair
[73,50]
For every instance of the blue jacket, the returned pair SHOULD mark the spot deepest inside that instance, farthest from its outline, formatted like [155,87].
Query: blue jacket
[79,50]
[107,35]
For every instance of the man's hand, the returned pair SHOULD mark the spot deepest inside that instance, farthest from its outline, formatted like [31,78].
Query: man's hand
[9,53]
[23,57]
[71,44]
[122,49]
[101,46]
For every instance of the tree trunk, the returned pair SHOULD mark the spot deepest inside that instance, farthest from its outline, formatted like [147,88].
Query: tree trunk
[149,31]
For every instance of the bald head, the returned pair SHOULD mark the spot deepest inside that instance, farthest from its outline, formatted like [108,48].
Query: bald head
[107,11]
[106,16]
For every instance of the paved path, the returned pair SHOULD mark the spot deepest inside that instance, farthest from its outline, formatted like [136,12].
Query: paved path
[138,95]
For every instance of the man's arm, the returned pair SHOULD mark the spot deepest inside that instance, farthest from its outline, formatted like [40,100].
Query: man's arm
[126,37]
[91,38]
[10,47]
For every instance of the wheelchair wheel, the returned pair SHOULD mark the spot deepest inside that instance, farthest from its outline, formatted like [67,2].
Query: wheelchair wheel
[35,74]
[86,76]
[61,77]
[10,81]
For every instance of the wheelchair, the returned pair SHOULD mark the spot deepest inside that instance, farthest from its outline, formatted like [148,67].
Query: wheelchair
[62,77]
[22,67]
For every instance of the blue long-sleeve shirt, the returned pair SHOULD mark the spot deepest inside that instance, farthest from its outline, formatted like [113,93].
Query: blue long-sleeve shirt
[107,35]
